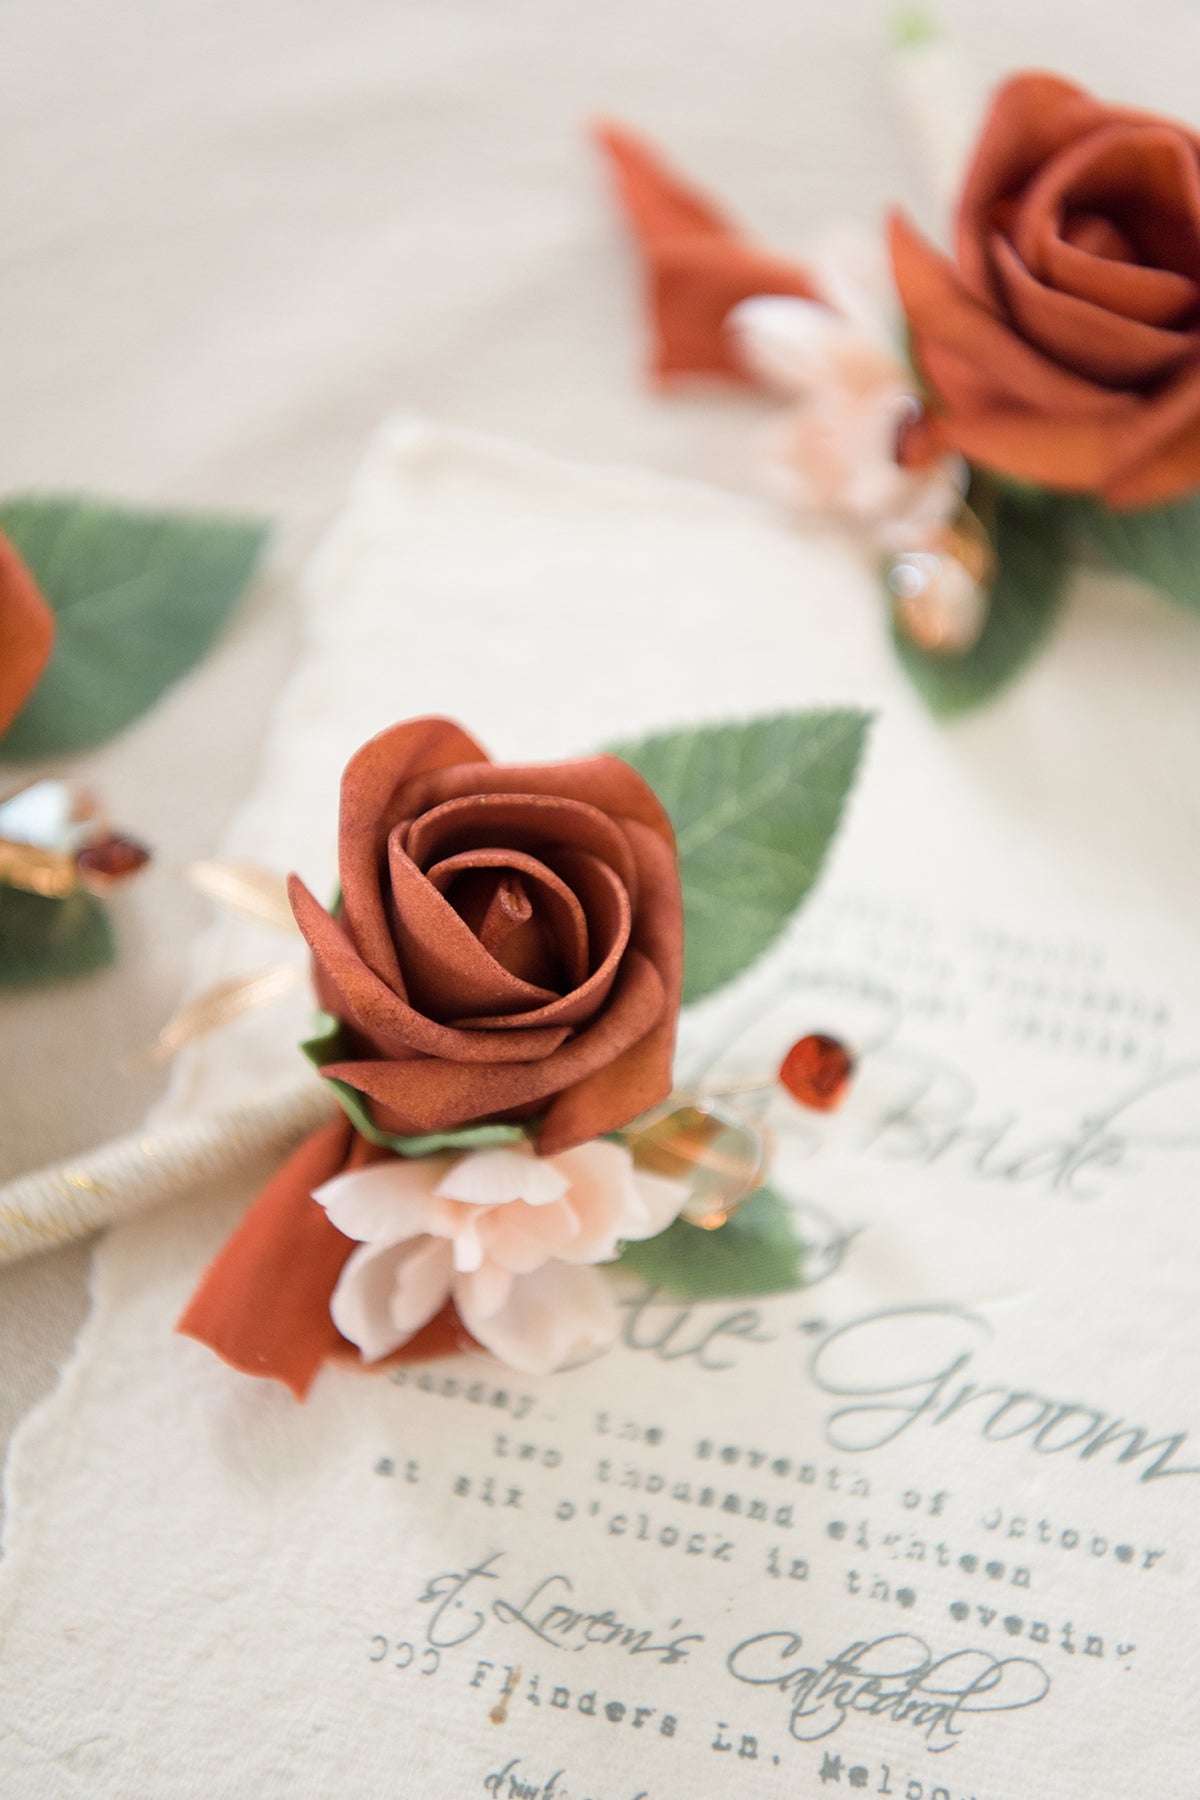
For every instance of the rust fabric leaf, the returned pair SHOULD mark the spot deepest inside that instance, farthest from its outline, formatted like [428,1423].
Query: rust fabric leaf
[696,264]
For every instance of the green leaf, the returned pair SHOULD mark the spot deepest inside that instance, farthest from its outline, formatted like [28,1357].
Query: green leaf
[326,1046]
[756,1251]
[754,809]
[140,597]
[45,940]
[1159,544]
[1030,538]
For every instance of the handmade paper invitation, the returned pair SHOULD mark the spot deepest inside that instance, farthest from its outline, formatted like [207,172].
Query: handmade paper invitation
[923,1526]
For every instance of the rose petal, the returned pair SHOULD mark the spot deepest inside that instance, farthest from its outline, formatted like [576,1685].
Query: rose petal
[366,1003]
[448,972]
[386,1292]
[1085,252]
[428,1095]
[1070,455]
[372,779]
[1006,405]
[1032,117]
[605,783]
[978,347]
[1142,178]
[1083,336]
[549,1318]
[514,820]
[555,901]
[1159,456]
[1156,296]
[609,922]
[640,1076]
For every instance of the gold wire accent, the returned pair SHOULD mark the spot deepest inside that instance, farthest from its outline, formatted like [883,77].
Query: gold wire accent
[219,1006]
[252,892]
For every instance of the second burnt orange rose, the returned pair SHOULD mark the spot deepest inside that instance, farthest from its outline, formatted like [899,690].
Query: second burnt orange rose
[1062,342]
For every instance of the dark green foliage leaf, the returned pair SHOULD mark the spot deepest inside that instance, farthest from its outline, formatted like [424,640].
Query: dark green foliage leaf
[754,808]
[1030,536]
[139,598]
[326,1047]
[1159,544]
[51,940]
[756,1251]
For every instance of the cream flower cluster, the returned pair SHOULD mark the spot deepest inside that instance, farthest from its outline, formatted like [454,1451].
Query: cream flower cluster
[511,1237]
[833,453]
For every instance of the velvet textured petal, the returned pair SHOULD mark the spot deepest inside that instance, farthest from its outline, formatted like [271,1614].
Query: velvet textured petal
[1104,346]
[371,779]
[1153,296]
[448,970]
[1004,404]
[1032,117]
[610,925]
[1158,459]
[573,803]
[638,1079]
[546,894]
[432,1095]
[943,315]
[1119,210]
[390,1023]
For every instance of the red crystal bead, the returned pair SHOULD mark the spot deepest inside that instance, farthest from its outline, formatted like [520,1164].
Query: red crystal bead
[111,858]
[816,1071]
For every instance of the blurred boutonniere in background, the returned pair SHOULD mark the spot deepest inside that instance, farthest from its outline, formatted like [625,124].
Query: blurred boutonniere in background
[101,609]
[983,417]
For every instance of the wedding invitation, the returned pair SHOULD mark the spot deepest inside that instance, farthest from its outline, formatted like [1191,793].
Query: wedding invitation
[928,1526]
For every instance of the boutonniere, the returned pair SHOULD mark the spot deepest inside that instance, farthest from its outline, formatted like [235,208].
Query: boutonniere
[101,609]
[500,977]
[979,417]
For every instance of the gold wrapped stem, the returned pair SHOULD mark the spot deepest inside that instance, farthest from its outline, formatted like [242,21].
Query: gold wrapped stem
[134,1173]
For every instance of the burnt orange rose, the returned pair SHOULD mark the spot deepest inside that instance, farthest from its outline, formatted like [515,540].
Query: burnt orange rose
[509,941]
[1062,342]
[26,633]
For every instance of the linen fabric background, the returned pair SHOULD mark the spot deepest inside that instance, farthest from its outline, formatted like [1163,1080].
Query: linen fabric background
[235,235]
